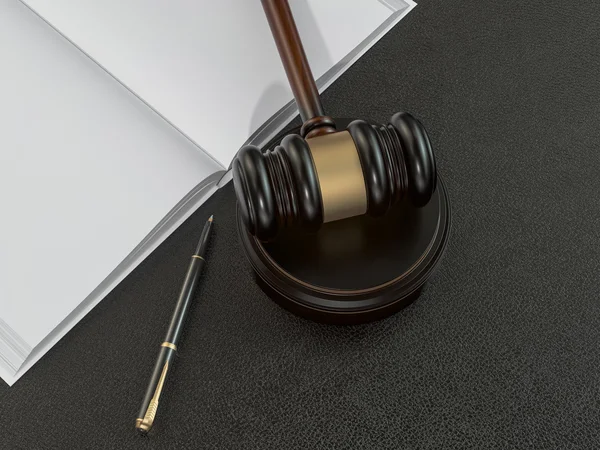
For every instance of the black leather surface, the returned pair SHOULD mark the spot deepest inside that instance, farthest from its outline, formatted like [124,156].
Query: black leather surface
[501,351]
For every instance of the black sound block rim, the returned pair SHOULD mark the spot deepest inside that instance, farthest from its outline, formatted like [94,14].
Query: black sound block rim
[347,306]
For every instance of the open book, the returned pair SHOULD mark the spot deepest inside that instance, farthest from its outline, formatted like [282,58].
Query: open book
[119,119]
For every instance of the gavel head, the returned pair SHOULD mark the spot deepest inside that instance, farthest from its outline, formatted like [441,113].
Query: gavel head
[365,169]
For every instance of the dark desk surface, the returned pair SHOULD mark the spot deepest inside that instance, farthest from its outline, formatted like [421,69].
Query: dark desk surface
[503,348]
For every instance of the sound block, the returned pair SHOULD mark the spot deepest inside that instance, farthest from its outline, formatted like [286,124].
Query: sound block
[354,270]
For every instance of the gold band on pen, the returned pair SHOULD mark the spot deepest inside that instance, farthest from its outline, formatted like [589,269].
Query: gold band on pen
[169,345]
[199,257]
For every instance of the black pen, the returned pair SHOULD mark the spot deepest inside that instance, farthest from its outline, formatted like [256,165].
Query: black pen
[168,348]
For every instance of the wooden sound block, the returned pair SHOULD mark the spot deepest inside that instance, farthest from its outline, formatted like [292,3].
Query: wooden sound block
[354,270]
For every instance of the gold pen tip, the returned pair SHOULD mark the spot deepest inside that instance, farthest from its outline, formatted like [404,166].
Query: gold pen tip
[210,219]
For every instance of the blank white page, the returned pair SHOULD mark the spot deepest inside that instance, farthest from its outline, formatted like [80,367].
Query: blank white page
[209,67]
[86,172]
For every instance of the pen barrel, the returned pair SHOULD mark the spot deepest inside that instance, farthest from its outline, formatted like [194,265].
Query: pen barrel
[185,299]
[149,407]
[169,346]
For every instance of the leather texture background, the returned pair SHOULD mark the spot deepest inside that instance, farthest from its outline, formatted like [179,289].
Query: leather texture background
[502,350]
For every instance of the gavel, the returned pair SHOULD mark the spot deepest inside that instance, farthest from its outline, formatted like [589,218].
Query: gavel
[324,174]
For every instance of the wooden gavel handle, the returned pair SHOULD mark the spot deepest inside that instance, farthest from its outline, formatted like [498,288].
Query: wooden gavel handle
[300,77]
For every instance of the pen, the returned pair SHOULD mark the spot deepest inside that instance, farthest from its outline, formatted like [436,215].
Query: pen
[168,348]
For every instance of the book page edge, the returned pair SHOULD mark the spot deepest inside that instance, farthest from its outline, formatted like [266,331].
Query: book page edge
[202,192]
